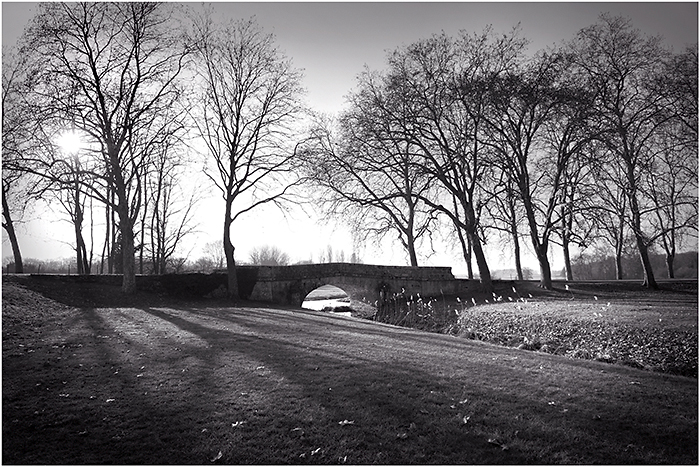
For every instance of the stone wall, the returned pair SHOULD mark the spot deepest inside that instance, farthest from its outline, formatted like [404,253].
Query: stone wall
[289,285]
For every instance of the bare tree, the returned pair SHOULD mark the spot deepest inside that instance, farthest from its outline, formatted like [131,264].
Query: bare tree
[109,69]
[16,143]
[523,102]
[621,67]
[672,178]
[367,178]
[437,84]
[247,108]
[671,185]
[269,256]
[506,216]
[71,197]
[609,207]
[215,251]
[171,211]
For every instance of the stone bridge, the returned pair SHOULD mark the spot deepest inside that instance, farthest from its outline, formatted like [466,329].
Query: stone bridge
[289,285]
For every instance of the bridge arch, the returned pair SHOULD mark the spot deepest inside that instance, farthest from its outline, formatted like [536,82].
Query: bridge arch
[362,290]
[363,283]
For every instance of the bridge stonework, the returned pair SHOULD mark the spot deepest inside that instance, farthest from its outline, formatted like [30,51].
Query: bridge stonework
[289,285]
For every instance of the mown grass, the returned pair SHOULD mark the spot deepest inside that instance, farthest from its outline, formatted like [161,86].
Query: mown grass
[172,382]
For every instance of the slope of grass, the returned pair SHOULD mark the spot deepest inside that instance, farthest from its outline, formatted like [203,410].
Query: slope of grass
[169,382]
[656,337]
[620,323]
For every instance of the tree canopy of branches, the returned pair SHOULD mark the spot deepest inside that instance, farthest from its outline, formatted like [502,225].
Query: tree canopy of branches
[622,67]
[16,141]
[367,178]
[108,70]
[249,102]
[541,138]
[591,143]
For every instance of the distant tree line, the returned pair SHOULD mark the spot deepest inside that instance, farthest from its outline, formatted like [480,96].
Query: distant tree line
[603,267]
[590,143]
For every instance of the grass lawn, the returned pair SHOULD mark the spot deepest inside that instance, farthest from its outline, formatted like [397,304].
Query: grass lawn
[146,380]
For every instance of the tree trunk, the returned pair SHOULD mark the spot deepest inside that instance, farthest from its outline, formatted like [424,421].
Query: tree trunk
[127,237]
[229,250]
[516,252]
[9,227]
[80,248]
[105,246]
[567,259]
[669,265]
[473,236]
[128,256]
[514,233]
[466,252]
[619,274]
[412,253]
[410,239]
[618,265]
[540,247]
[566,228]
[481,263]
[545,269]
[649,280]
[466,245]
[468,257]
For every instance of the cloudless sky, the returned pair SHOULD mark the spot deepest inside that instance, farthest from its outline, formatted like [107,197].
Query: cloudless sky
[332,42]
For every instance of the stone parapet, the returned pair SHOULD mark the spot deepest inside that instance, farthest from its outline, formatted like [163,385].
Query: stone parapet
[301,271]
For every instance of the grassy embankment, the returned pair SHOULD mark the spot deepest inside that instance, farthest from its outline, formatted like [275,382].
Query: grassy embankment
[618,322]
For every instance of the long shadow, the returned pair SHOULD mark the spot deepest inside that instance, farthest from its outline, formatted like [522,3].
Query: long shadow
[90,406]
[364,391]
[362,385]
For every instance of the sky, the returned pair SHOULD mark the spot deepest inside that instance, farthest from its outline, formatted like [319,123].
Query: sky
[333,42]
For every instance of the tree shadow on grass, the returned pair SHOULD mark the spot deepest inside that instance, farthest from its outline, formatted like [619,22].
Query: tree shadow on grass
[399,413]
[273,386]
[383,383]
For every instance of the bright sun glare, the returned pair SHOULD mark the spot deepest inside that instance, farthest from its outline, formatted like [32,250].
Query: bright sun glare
[70,142]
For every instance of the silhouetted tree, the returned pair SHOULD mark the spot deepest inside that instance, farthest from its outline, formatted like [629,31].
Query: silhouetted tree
[109,69]
[621,67]
[269,256]
[367,178]
[249,101]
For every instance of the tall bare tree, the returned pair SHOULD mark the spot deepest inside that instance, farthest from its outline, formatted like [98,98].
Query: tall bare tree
[109,69]
[506,216]
[609,209]
[170,210]
[249,103]
[17,128]
[622,67]
[440,84]
[367,176]
[672,186]
[523,101]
